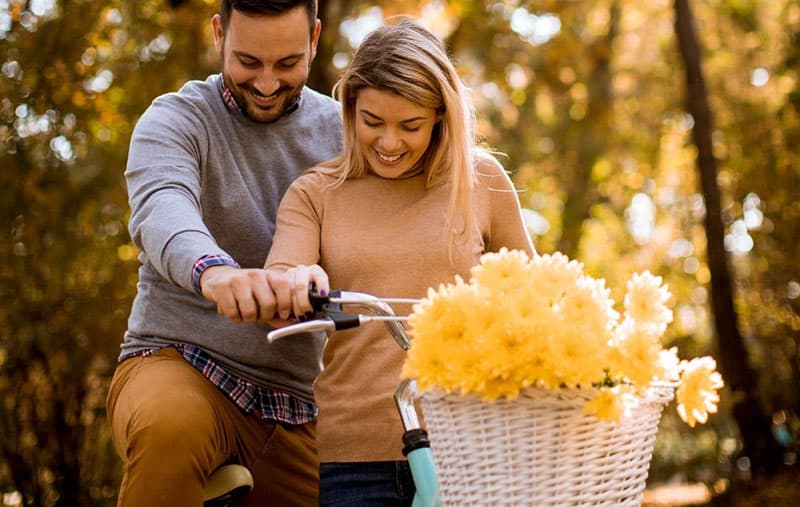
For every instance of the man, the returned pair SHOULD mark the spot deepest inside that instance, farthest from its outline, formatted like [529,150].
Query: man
[198,385]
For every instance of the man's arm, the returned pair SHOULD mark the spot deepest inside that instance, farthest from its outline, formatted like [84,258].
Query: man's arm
[164,191]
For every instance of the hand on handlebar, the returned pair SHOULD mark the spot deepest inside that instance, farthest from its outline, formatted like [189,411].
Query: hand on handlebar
[291,288]
[242,295]
[274,297]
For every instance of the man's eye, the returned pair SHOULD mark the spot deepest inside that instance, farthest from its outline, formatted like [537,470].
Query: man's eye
[288,64]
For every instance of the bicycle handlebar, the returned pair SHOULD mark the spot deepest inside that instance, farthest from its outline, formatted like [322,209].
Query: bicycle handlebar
[330,317]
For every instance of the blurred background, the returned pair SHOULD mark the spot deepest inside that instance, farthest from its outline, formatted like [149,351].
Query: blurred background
[660,135]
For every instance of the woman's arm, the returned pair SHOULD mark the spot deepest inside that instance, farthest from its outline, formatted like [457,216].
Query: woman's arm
[506,227]
[292,263]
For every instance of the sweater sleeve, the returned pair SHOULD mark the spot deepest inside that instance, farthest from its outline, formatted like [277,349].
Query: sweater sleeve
[506,226]
[164,189]
[299,224]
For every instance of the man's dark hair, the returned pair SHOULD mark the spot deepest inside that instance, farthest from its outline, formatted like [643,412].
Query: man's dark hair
[266,8]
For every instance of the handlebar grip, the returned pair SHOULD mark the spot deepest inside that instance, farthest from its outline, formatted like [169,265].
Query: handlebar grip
[343,320]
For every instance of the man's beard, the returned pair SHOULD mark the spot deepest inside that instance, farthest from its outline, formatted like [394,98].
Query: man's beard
[285,96]
[243,94]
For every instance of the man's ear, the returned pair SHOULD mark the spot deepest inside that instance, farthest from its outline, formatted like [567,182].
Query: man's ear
[315,37]
[219,33]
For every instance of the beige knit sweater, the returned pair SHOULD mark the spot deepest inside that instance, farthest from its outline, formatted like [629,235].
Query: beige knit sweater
[387,238]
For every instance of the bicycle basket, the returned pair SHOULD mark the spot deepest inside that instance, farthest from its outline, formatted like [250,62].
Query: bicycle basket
[540,449]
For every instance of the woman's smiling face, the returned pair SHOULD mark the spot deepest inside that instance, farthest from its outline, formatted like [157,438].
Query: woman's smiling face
[392,131]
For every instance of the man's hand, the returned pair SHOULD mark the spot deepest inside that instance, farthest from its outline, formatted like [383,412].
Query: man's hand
[242,295]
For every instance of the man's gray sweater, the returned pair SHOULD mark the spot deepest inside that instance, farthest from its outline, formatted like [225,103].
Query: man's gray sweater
[204,179]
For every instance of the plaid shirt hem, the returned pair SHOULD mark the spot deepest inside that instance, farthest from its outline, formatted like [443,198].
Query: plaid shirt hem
[273,405]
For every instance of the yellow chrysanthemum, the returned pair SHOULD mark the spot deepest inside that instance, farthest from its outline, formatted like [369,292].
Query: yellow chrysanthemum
[697,395]
[551,275]
[669,365]
[588,303]
[501,272]
[640,350]
[574,360]
[645,301]
[608,405]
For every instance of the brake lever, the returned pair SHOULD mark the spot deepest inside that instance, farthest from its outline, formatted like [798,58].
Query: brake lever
[324,304]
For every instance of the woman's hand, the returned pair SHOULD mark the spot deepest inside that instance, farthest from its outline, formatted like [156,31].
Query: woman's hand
[291,289]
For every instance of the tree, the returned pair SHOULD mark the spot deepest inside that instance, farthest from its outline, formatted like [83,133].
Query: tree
[754,425]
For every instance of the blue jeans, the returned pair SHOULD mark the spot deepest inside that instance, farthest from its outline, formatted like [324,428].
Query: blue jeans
[375,483]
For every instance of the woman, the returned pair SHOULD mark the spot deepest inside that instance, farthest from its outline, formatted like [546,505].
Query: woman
[410,203]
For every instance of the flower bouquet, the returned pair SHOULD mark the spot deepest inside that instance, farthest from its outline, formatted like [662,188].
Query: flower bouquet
[537,391]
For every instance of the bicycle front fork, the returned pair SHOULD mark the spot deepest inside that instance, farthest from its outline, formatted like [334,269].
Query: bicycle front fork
[416,447]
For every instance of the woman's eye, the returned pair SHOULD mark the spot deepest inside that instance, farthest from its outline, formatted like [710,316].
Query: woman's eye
[411,129]
[371,124]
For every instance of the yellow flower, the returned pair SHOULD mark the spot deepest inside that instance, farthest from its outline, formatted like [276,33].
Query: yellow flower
[551,275]
[441,347]
[588,303]
[645,301]
[502,272]
[610,404]
[669,365]
[639,352]
[697,395]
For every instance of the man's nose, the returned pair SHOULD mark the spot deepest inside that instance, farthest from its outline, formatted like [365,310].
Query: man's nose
[267,82]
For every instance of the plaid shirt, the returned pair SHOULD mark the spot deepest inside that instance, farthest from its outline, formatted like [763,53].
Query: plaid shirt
[273,405]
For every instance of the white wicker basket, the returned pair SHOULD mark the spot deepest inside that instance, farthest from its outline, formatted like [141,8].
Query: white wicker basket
[539,449]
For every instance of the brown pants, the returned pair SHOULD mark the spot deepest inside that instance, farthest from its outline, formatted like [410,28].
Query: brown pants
[172,428]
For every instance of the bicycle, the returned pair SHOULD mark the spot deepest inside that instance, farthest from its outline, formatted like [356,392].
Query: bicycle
[329,316]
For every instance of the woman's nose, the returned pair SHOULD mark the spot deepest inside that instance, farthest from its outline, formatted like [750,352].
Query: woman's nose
[390,141]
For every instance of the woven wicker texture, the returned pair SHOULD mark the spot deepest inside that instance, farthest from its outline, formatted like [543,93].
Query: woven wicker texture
[539,449]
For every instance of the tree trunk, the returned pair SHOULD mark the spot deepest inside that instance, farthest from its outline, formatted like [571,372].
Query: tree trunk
[754,424]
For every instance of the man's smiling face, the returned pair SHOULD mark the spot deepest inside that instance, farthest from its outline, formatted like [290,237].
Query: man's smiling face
[266,59]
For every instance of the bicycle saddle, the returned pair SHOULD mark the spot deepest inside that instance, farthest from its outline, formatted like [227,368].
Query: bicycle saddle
[226,483]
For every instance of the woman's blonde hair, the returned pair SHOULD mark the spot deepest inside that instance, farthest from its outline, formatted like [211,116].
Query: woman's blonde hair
[408,60]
